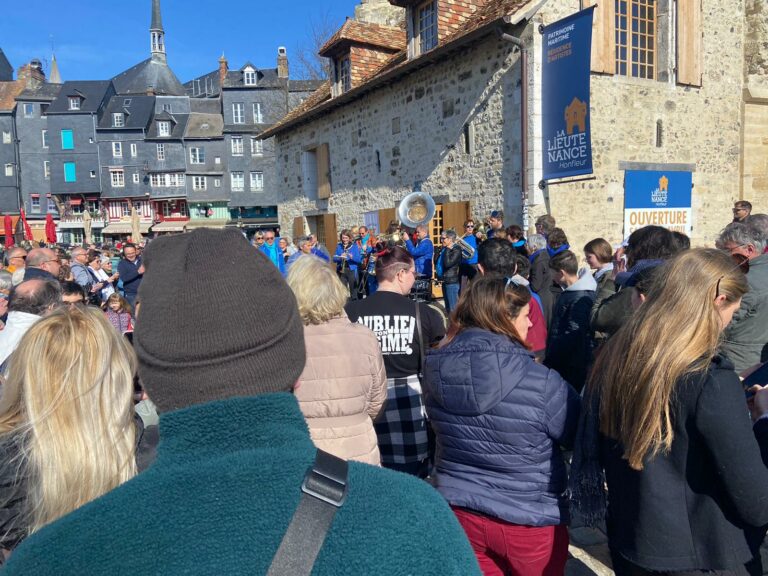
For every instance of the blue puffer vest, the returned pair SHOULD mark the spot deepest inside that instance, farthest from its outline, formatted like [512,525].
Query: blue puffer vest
[500,419]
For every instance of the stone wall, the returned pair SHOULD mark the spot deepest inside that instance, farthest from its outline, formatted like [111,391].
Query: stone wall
[411,132]
[379,12]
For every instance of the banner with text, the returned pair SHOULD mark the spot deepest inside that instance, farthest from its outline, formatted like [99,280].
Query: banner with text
[567,47]
[658,198]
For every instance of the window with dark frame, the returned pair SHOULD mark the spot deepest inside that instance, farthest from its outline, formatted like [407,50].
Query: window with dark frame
[636,42]
[343,74]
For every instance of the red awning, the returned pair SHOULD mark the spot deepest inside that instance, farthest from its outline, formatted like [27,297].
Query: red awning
[34,195]
[75,201]
[91,198]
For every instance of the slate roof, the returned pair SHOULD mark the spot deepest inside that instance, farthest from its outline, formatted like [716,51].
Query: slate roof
[137,114]
[157,19]
[205,126]
[91,91]
[354,32]
[42,92]
[178,126]
[480,24]
[205,105]
[265,78]
[6,70]
[8,93]
[150,72]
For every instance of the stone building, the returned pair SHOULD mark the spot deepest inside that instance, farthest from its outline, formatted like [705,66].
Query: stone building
[444,114]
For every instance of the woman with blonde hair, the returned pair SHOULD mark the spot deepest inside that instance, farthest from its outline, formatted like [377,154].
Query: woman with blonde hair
[669,424]
[66,420]
[343,386]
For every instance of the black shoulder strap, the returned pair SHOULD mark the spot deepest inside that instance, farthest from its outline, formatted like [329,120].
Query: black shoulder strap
[420,336]
[324,490]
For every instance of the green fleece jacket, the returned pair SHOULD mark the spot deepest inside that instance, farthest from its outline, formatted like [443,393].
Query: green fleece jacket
[220,496]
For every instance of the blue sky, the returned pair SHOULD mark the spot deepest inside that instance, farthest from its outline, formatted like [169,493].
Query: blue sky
[97,39]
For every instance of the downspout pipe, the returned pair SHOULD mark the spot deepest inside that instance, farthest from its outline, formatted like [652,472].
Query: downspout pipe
[523,107]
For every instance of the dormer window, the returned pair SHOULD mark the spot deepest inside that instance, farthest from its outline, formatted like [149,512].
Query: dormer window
[249,77]
[425,25]
[74,102]
[163,128]
[342,75]
[118,120]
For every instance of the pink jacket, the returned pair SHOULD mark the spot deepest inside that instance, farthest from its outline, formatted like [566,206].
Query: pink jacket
[343,389]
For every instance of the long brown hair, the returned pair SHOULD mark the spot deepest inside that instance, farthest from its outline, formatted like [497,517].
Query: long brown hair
[674,333]
[490,303]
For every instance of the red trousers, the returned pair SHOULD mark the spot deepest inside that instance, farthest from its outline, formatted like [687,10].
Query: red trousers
[505,549]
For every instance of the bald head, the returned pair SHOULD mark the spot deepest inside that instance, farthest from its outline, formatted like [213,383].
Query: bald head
[35,296]
[38,256]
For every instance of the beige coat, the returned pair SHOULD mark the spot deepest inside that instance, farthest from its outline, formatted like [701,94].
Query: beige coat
[343,389]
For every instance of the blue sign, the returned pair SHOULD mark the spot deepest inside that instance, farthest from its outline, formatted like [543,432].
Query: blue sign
[659,199]
[567,49]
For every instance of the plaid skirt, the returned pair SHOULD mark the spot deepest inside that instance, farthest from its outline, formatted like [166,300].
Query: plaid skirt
[402,428]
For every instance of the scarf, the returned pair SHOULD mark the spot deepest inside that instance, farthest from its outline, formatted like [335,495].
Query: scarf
[586,483]
[532,257]
[120,320]
[519,243]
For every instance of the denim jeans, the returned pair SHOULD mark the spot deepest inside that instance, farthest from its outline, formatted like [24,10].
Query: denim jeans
[450,296]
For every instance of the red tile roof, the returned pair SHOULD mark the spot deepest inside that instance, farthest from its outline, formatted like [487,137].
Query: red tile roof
[8,93]
[486,16]
[389,37]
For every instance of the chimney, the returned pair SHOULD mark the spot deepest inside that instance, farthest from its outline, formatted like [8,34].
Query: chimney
[32,74]
[151,91]
[282,63]
[223,69]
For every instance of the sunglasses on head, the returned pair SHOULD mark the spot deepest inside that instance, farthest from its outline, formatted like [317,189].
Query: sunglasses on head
[742,263]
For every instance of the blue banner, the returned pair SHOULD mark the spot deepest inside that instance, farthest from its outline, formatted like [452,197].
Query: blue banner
[567,48]
[657,198]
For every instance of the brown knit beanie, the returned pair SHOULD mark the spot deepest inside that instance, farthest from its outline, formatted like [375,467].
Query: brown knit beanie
[217,320]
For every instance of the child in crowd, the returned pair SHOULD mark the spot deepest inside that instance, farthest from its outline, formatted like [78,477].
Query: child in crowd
[119,313]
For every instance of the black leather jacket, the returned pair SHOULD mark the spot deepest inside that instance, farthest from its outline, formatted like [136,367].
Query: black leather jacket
[451,262]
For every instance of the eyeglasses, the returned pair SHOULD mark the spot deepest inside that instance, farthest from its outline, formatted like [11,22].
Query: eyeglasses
[269,237]
[21,257]
[54,260]
[742,263]
[739,209]
[469,226]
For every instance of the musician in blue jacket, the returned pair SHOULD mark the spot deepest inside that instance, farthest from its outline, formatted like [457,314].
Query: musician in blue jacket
[422,252]
[348,259]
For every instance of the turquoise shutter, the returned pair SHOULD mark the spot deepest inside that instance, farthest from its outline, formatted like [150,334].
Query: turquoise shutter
[67,141]
[70,174]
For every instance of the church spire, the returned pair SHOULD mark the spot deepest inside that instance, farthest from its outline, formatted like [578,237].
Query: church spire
[54,77]
[156,32]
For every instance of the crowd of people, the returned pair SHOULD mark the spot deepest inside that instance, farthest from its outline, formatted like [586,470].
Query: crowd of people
[621,386]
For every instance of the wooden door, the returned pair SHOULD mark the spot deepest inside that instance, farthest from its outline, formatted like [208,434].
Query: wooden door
[298,227]
[454,216]
[327,232]
[386,215]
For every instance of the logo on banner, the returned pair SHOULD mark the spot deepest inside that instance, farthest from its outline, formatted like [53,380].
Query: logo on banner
[570,147]
[576,116]
[659,197]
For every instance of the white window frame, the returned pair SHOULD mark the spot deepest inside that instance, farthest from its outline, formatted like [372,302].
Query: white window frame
[257,181]
[29,110]
[92,174]
[161,152]
[47,169]
[197,155]
[134,151]
[74,103]
[342,70]
[167,108]
[7,138]
[238,113]
[125,209]
[35,204]
[217,160]
[163,128]
[118,120]
[199,183]
[237,180]
[217,182]
[52,208]
[117,149]
[425,33]
[117,177]
[44,138]
[258,116]
[9,170]
[257,147]
[135,177]
[249,77]
[237,145]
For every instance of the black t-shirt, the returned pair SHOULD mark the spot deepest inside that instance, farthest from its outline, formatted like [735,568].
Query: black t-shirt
[392,318]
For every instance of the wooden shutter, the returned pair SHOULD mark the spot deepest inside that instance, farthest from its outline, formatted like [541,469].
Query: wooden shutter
[330,232]
[386,216]
[603,36]
[323,172]
[454,216]
[689,65]
[298,227]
